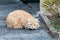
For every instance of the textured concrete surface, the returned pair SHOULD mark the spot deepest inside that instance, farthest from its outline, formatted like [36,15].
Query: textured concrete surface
[22,34]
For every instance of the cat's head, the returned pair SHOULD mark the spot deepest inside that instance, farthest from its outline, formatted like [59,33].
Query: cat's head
[32,24]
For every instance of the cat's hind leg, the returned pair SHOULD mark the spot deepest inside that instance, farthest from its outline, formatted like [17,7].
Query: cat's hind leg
[9,23]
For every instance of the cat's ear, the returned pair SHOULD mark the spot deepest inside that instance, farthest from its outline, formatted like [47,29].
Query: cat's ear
[37,20]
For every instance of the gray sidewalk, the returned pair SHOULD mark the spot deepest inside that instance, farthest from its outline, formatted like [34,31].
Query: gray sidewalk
[22,34]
